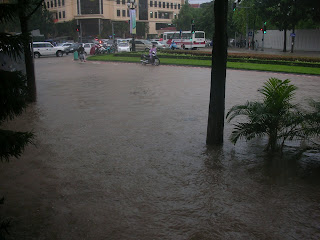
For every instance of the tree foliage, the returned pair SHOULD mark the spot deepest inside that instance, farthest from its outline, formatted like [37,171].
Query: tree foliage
[13,96]
[186,14]
[275,117]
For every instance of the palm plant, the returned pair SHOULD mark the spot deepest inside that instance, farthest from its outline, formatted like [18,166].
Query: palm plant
[275,117]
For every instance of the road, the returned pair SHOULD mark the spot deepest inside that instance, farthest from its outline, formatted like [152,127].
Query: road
[120,154]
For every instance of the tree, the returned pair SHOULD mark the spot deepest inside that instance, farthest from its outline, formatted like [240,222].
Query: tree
[276,117]
[284,14]
[26,9]
[245,15]
[185,17]
[23,10]
[13,99]
[218,75]
[42,19]
[206,16]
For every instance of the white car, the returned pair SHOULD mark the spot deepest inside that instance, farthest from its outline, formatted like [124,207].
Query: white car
[46,49]
[87,47]
[123,47]
[159,45]
[64,45]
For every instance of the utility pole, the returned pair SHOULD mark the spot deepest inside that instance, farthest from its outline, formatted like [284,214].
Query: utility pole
[112,31]
[234,7]
[133,28]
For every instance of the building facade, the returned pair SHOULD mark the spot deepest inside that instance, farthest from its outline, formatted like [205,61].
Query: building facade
[91,14]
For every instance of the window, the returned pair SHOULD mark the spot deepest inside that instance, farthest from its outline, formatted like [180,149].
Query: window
[55,3]
[51,3]
[163,4]
[175,6]
[159,4]
[128,14]
[167,5]
[56,15]
[48,5]
[151,14]
[151,3]
[171,5]
[62,2]
[155,4]
[123,13]
[123,2]
[199,35]
[178,6]
[64,14]
[156,15]
[59,3]
[59,14]
[118,13]
[175,16]
[118,1]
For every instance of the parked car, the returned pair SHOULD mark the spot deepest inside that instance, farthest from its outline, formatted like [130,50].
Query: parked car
[87,47]
[72,48]
[159,45]
[141,45]
[64,45]
[123,47]
[46,49]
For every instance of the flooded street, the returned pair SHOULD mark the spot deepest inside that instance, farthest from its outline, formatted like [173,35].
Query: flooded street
[120,154]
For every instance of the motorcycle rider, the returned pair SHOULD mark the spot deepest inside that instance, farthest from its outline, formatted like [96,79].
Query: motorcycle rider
[153,49]
[81,53]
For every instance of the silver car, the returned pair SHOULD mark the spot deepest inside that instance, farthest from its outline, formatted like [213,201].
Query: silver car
[159,45]
[142,45]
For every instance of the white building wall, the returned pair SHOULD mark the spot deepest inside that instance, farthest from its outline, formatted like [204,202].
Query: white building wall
[307,40]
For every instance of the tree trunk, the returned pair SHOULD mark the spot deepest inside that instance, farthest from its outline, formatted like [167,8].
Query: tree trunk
[218,75]
[285,41]
[31,82]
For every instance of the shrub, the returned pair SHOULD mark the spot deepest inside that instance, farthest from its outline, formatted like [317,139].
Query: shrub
[275,117]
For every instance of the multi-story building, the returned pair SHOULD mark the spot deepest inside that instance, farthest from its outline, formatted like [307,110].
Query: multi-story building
[92,14]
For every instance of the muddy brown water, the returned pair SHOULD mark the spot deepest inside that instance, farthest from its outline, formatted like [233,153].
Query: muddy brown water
[120,154]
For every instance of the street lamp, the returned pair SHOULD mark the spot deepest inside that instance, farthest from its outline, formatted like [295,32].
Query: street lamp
[132,6]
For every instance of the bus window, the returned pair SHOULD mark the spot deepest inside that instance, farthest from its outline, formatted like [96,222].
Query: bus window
[186,36]
[165,37]
[199,35]
[170,35]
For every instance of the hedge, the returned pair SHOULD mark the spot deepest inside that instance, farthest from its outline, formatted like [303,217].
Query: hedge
[234,57]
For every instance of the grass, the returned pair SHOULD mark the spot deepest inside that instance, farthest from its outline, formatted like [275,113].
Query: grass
[207,63]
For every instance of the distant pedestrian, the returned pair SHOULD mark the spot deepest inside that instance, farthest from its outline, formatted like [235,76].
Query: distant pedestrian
[256,45]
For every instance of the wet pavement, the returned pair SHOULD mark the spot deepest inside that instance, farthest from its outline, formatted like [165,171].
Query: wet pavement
[120,154]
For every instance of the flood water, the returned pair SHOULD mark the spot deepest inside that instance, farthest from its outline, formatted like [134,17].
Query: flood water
[120,154]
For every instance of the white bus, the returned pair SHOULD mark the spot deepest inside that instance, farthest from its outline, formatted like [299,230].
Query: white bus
[185,39]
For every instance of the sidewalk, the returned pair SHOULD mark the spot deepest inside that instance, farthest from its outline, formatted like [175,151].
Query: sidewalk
[275,52]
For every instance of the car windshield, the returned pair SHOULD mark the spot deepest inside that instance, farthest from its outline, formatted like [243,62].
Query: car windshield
[146,42]
[123,44]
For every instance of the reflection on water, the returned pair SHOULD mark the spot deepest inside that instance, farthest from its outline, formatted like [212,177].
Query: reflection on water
[126,157]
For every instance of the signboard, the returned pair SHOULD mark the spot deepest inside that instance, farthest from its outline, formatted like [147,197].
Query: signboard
[292,34]
[133,24]
[250,34]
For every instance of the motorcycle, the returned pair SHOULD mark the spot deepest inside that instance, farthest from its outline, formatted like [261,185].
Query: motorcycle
[145,59]
[100,50]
